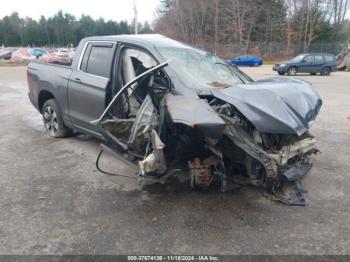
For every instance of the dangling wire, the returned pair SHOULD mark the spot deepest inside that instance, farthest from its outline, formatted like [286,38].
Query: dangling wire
[108,173]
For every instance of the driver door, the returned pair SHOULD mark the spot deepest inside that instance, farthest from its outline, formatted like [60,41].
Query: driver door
[133,109]
[307,64]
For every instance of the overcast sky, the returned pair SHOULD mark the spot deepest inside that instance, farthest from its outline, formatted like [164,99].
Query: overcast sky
[108,9]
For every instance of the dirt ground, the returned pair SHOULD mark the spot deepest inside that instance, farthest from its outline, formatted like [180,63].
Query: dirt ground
[53,200]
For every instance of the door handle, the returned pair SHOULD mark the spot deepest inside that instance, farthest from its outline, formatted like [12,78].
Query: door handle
[77,79]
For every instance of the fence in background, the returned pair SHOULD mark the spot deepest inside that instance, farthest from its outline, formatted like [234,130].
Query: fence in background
[273,49]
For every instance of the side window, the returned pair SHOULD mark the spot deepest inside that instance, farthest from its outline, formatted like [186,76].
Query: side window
[329,58]
[134,63]
[319,59]
[309,59]
[97,60]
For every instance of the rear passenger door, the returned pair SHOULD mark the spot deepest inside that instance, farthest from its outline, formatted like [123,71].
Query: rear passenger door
[89,82]
[319,62]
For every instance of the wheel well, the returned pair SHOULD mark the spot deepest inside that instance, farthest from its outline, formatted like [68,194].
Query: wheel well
[292,67]
[330,69]
[43,97]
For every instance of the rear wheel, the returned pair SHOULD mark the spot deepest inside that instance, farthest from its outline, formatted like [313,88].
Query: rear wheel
[292,71]
[325,71]
[53,120]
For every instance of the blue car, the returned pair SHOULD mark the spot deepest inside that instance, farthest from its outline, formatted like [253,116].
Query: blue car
[246,60]
[38,52]
[312,63]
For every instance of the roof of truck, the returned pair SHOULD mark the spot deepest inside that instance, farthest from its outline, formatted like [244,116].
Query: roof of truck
[154,40]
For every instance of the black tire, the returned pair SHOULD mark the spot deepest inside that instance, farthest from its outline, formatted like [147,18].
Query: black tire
[313,74]
[281,73]
[326,71]
[292,71]
[53,121]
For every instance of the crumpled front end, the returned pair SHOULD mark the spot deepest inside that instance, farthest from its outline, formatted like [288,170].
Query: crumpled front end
[276,167]
[248,134]
[227,138]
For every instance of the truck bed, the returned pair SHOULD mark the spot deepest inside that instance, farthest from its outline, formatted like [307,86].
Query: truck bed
[48,77]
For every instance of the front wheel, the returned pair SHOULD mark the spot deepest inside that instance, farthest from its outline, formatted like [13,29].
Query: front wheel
[292,71]
[53,120]
[325,71]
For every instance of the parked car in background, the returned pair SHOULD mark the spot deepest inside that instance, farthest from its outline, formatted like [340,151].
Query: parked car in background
[38,52]
[22,55]
[61,56]
[246,60]
[312,63]
[5,54]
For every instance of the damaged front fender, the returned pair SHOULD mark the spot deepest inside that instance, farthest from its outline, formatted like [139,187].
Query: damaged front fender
[194,112]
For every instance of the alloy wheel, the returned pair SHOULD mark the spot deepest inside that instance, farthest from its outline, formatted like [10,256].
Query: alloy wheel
[292,71]
[326,71]
[50,120]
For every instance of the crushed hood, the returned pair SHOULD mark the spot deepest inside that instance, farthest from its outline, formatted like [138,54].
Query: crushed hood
[275,107]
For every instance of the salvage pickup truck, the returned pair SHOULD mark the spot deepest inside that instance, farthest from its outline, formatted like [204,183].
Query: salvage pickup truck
[164,107]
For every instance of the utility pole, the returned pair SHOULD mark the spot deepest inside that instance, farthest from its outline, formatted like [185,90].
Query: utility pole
[216,25]
[135,18]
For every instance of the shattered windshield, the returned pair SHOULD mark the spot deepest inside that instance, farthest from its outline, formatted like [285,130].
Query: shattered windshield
[199,69]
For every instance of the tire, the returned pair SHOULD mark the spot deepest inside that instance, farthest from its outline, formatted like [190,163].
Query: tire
[53,120]
[326,71]
[281,73]
[292,71]
[313,74]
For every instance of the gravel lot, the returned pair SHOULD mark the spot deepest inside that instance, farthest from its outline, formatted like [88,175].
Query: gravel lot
[53,201]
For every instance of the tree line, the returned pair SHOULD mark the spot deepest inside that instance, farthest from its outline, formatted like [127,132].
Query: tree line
[292,25]
[295,24]
[62,29]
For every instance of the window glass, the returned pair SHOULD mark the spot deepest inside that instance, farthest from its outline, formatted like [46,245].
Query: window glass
[319,59]
[298,58]
[100,61]
[134,63]
[329,58]
[309,59]
[140,60]
[199,69]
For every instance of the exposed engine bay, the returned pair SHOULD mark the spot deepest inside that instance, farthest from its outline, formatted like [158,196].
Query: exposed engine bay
[255,133]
